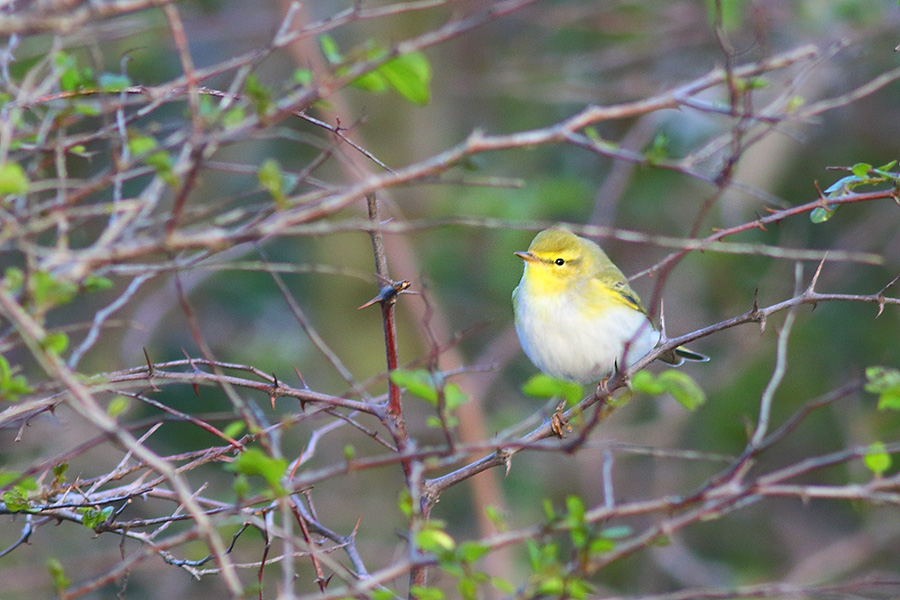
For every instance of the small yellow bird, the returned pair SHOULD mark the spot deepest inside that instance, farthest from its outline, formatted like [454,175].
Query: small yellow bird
[576,316]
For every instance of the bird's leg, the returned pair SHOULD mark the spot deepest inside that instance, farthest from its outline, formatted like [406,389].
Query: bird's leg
[558,422]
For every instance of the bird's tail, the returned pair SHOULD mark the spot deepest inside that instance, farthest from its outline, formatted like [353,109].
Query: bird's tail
[677,357]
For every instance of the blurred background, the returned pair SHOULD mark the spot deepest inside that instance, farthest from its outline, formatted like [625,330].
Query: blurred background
[526,70]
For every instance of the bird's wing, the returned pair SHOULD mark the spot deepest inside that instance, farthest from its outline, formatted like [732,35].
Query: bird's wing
[620,291]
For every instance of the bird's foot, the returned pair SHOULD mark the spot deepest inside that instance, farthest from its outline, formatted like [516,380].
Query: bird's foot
[558,422]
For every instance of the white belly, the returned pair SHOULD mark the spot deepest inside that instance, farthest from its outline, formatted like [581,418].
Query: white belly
[580,349]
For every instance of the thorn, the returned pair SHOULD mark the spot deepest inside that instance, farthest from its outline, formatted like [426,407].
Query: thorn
[149,371]
[195,369]
[388,293]
[273,394]
[300,377]
[819,190]
[815,277]
[756,300]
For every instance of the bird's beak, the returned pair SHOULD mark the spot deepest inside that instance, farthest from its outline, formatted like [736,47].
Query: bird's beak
[527,256]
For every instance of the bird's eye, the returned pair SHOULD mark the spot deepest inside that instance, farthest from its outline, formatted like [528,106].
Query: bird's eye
[560,262]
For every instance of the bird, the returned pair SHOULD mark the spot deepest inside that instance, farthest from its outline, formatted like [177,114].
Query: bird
[575,314]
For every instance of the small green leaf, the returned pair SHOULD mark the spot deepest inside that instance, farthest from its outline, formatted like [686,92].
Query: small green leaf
[57,575]
[601,545]
[15,499]
[92,518]
[11,386]
[330,49]
[435,541]
[877,459]
[13,180]
[349,452]
[885,382]
[255,462]
[420,592]
[271,179]
[382,594]
[234,429]
[404,503]
[646,382]
[684,389]
[241,486]
[59,473]
[820,214]
[468,589]
[113,82]
[96,283]
[233,117]
[861,169]
[576,510]
[492,513]
[141,144]
[303,77]
[260,95]
[55,342]
[544,386]
[472,551]
[417,382]
[117,406]
[453,397]
[659,150]
[410,75]
[48,292]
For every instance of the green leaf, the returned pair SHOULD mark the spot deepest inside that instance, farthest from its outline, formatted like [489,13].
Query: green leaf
[404,503]
[417,382]
[820,214]
[453,397]
[255,462]
[349,452]
[233,117]
[659,150]
[601,545]
[885,382]
[646,382]
[410,75]
[59,473]
[16,499]
[234,429]
[117,406]
[576,510]
[48,292]
[92,518]
[373,82]
[492,514]
[684,389]
[544,386]
[271,179]
[11,386]
[57,574]
[330,49]
[419,592]
[861,169]
[13,180]
[435,541]
[472,551]
[55,342]
[468,589]
[141,144]
[877,459]
[260,95]
[113,82]
[383,595]
[303,77]
[96,283]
